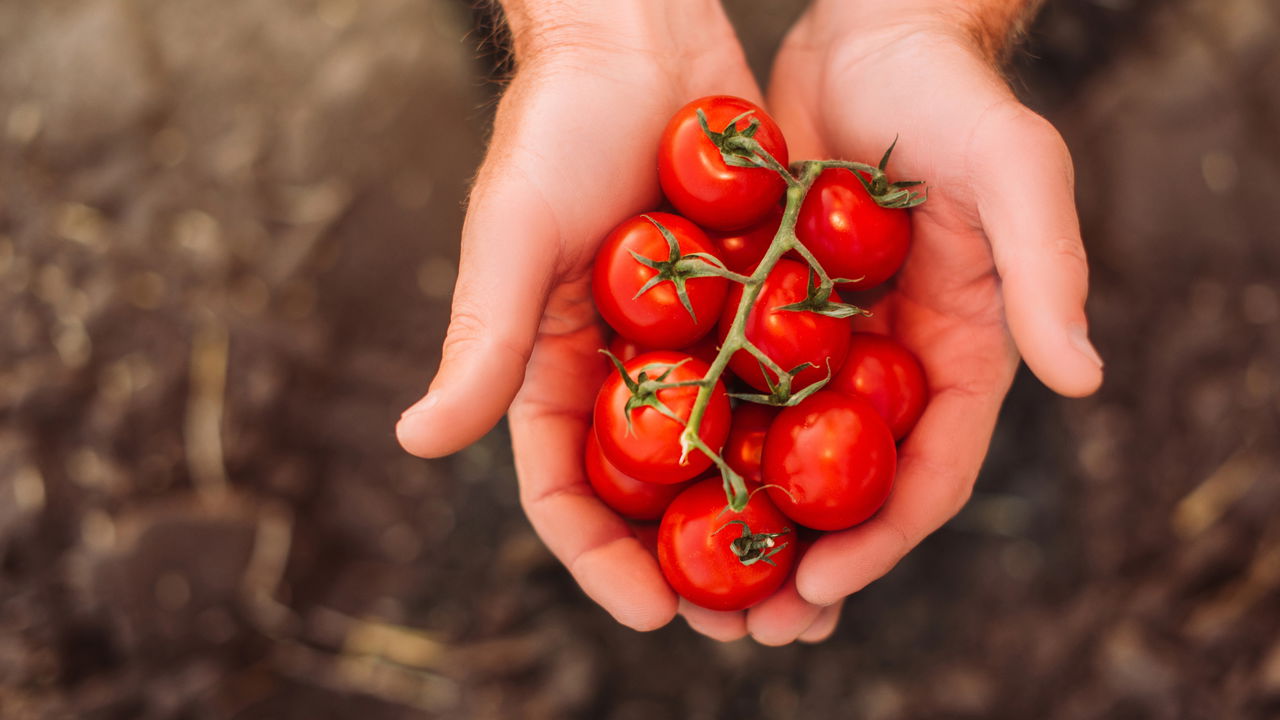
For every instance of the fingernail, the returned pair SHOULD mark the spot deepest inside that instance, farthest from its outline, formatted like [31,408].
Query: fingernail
[1080,338]
[424,404]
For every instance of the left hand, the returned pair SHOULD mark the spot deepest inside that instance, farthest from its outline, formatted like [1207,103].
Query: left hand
[996,267]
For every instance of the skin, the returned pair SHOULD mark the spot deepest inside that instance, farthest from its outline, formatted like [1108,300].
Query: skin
[997,266]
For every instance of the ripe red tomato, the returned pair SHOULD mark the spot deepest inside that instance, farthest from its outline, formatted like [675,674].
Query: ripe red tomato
[624,349]
[887,375]
[829,461]
[695,177]
[741,250]
[629,497]
[787,336]
[849,233]
[696,548]
[656,318]
[745,446]
[650,448]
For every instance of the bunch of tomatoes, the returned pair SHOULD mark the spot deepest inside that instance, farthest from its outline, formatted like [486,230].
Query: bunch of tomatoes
[743,410]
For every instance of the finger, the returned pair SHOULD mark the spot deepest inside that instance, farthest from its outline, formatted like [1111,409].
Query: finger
[782,617]
[824,625]
[717,625]
[498,300]
[937,466]
[610,564]
[1024,184]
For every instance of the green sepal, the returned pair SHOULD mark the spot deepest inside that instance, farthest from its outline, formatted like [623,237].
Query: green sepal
[677,268]
[817,300]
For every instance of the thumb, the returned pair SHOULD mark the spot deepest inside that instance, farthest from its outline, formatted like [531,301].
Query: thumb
[1024,185]
[508,255]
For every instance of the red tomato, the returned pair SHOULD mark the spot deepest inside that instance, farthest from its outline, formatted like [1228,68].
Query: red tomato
[787,336]
[629,497]
[650,448]
[695,177]
[624,349]
[849,233]
[696,553]
[741,250]
[887,375]
[829,461]
[745,445]
[656,318]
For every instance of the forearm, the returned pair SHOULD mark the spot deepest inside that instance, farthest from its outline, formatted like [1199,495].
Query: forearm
[991,26]
[542,26]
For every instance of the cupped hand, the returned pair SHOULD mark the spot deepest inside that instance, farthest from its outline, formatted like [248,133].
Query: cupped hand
[996,267]
[572,155]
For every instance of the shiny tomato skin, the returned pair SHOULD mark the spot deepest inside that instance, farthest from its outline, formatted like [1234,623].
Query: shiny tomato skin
[829,462]
[787,336]
[695,178]
[629,497]
[741,250]
[888,376]
[624,349]
[850,235]
[650,449]
[698,562]
[656,318]
[744,449]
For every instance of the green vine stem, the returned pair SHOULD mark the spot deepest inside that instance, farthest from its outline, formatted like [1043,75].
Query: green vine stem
[736,339]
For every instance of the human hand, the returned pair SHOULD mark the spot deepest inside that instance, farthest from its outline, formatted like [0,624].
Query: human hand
[996,265]
[572,154]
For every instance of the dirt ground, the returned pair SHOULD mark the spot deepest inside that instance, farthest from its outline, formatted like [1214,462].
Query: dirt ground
[227,242]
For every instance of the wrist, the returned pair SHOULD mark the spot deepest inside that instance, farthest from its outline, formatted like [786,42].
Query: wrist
[548,27]
[989,27]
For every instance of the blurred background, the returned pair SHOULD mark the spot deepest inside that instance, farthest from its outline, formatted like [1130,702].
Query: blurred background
[228,234]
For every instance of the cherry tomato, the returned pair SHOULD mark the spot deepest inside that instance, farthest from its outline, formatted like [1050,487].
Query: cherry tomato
[745,446]
[829,461]
[629,497]
[656,318]
[695,177]
[650,448]
[788,337]
[849,233]
[741,250]
[887,375]
[647,534]
[624,349]
[696,553]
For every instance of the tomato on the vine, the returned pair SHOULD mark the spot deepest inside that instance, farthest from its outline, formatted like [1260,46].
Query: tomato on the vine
[656,317]
[744,448]
[637,437]
[629,497]
[829,461]
[695,177]
[788,337]
[741,250]
[887,375]
[720,559]
[625,348]
[849,233]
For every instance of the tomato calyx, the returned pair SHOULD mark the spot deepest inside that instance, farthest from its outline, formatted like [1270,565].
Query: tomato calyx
[739,148]
[751,548]
[679,268]
[644,389]
[818,300]
[891,195]
[780,394]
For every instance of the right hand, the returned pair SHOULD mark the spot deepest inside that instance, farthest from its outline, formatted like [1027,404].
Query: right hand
[572,155]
